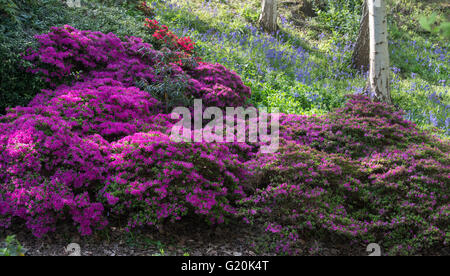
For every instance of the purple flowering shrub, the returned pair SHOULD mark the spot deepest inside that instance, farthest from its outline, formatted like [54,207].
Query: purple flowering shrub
[392,189]
[47,172]
[153,178]
[356,130]
[216,86]
[110,111]
[95,147]
[53,169]
[67,54]
[362,127]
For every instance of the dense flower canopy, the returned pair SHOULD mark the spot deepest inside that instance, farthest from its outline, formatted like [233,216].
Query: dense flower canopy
[68,153]
[95,148]
[362,173]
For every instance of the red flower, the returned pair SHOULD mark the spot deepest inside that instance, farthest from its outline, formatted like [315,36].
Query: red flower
[172,41]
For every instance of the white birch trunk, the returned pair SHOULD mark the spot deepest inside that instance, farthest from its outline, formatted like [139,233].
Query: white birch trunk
[269,16]
[379,54]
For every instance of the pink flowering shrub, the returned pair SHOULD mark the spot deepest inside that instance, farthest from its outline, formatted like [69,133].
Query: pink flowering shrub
[154,178]
[96,146]
[66,53]
[217,86]
[392,188]
[110,111]
[47,172]
[356,130]
[57,163]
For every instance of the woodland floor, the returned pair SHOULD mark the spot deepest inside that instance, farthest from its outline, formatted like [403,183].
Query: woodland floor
[174,240]
[177,240]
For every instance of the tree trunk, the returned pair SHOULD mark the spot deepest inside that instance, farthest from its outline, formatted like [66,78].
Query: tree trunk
[269,16]
[379,54]
[360,57]
[307,8]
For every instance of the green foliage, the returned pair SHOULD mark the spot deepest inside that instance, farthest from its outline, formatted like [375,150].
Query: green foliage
[342,15]
[16,86]
[437,25]
[250,13]
[9,8]
[172,90]
[409,16]
[11,247]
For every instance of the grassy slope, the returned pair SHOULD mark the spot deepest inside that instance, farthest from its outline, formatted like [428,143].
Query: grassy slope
[304,69]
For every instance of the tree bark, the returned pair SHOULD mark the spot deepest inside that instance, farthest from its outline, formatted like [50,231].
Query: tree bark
[379,53]
[361,52]
[269,16]
[307,8]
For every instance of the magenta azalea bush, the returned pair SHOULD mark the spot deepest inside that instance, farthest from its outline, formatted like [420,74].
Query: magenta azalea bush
[153,178]
[48,172]
[216,87]
[360,174]
[66,53]
[96,147]
[95,150]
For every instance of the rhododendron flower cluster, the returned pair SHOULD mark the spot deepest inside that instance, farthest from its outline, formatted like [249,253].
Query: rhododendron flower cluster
[166,38]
